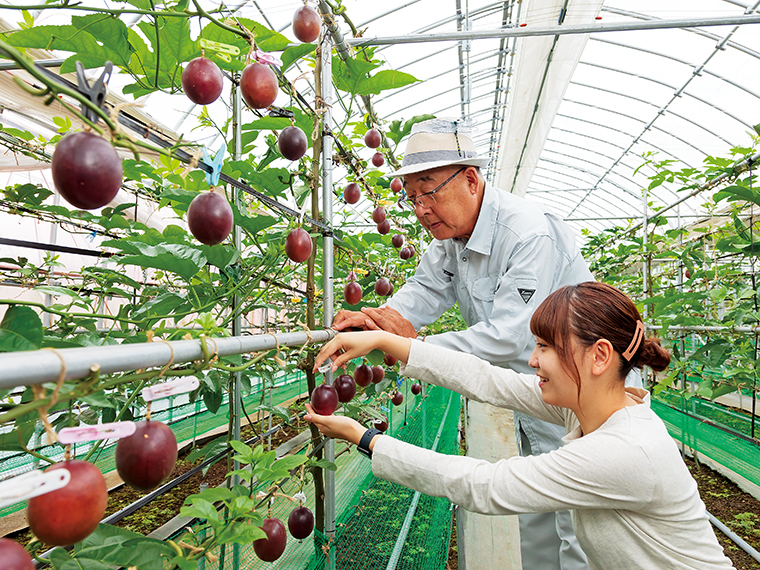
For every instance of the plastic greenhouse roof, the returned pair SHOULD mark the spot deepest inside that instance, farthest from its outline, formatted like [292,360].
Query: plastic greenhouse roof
[564,118]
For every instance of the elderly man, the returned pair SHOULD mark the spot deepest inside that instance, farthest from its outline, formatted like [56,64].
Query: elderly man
[499,256]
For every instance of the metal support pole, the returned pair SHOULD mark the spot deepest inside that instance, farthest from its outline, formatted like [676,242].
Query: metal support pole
[327,266]
[235,393]
[556,30]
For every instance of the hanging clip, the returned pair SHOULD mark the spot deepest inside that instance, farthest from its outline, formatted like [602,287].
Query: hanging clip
[222,51]
[32,484]
[115,430]
[267,58]
[280,112]
[216,166]
[96,93]
[181,386]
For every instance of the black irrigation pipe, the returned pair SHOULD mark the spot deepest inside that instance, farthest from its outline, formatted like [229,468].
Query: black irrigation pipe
[53,247]
[149,134]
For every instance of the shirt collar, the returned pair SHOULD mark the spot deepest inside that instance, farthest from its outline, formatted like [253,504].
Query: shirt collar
[482,236]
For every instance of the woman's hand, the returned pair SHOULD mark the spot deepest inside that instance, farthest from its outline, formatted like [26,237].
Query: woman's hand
[339,427]
[347,346]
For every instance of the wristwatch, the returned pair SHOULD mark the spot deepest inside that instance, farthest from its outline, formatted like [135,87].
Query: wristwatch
[363,446]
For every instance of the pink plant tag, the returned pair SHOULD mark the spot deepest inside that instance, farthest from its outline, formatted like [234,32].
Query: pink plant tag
[115,430]
[32,484]
[268,58]
[181,386]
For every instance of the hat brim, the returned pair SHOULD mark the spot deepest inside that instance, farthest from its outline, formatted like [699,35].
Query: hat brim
[422,166]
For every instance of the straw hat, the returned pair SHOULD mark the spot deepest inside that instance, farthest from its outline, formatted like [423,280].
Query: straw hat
[439,142]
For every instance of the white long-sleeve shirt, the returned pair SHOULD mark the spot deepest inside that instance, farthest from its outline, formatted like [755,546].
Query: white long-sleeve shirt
[634,503]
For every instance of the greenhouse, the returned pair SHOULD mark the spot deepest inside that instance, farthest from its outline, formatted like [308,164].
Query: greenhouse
[329,284]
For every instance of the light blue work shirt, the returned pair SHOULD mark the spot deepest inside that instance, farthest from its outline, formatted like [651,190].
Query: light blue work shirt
[517,255]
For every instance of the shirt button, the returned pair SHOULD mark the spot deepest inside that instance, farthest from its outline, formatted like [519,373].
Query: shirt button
[464,259]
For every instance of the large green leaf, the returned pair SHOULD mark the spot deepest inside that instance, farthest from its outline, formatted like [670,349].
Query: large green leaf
[272,181]
[160,306]
[110,32]
[351,75]
[734,193]
[397,131]
[384,80]
[251,224]
[170,45]
[183,260]
[294,53]
[220,255]
[62,38]
[21,329]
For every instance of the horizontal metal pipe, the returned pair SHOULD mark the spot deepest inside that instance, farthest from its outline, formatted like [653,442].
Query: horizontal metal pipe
[34,367]
[740,542]
[556,30]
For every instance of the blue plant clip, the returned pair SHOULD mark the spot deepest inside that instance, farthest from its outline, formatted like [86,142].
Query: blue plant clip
[216,166]
[386,409]
[92,236]
[399,381]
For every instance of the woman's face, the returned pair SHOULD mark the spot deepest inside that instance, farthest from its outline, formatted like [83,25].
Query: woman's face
[557,386]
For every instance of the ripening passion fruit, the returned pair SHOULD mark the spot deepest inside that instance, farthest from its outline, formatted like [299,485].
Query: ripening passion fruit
[258,85]
[271,548]
[145,458]
[306,24]
[292,143]
[352,293]
[86,170]
[70,514]
[209,218]
[298,245]
[14,556]
[202,81]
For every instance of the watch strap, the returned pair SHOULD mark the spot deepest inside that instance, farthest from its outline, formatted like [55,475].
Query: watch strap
[364,442]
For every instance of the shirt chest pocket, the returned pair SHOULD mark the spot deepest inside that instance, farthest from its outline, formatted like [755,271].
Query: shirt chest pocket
[484,288]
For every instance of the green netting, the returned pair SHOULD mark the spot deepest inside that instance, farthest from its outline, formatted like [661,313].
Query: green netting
[187,420]
[737,454]
[370,512]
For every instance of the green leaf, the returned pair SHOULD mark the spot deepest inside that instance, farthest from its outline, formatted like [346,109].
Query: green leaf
[220,255]
[376,357]
[27,194]
[250,224]
[110,32]
[294,53]
[240,447]
[241,533]
[396,132]
[202,510]
[267,123]
[213,495]
[213,400]
[56,290]
[324,464]
[350,75]
[183,260]
[63,38]
[98,399]
[384,80]
[85,564]
[160,306]
[21,329]
[290,462]
[734,193]
[59,556]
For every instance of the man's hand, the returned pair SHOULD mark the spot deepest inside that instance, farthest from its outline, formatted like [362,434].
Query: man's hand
[390,320]
[347,320]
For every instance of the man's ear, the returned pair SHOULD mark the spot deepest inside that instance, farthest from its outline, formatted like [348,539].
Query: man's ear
[602,356]
[473,180]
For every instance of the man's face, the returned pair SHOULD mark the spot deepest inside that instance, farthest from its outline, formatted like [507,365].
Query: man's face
[455,208]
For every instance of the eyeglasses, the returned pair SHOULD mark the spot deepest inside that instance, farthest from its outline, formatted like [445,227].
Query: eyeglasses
[427,200]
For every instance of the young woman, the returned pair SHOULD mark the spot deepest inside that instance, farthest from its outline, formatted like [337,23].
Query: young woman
[634,503]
